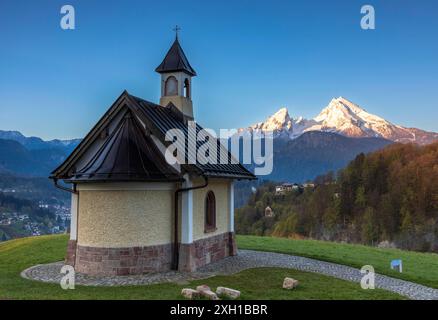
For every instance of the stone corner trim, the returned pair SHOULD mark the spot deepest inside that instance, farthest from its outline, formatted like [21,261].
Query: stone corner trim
[204,251]
[70,256]
[232,244]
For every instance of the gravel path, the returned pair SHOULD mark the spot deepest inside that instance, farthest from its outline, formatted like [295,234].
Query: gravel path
[246,259]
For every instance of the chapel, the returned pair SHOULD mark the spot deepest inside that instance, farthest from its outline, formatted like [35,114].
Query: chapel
[132,210]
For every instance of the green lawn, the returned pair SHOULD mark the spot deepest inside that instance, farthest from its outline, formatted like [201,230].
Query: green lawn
[261,283]
[417,267]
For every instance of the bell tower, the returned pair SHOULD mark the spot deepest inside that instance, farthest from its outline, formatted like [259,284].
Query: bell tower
[176,79]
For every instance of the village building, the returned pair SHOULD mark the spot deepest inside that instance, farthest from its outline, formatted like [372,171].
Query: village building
[308,185]
[131,210]
[283,188]
[288,187]
[269,213]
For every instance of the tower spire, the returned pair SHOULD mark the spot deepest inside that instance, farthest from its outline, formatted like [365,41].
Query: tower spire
[176,78]
[175,59]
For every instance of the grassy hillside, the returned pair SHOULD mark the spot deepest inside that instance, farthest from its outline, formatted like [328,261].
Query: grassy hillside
[261,283]
[417,267]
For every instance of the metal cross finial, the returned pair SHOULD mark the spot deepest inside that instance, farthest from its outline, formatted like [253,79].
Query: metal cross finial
[176,29]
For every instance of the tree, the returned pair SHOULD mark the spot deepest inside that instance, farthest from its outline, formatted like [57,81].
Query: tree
[361,200]
[288,227]
[331,218]
[407,226]
[369,228]
[389,219]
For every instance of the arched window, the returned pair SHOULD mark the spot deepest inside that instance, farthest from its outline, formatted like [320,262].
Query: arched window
[187,88]
[171,86]
[210,212]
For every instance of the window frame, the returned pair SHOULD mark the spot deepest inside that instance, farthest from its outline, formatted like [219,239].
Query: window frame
[210,212]
[187,88]
[166,83]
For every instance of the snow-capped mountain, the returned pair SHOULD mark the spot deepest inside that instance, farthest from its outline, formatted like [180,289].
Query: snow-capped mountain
[344,117]
[280,123]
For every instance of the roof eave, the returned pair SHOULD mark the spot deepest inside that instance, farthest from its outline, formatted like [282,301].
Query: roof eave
[230,176]
[115,107]
[190,73]
[106,180]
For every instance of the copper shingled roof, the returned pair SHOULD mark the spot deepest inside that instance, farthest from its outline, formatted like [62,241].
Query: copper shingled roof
[175,60]
[127,154]
[166,118]
[130,154]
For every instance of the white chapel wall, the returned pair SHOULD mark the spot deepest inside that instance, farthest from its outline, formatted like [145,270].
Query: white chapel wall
[125,218]
[220,187]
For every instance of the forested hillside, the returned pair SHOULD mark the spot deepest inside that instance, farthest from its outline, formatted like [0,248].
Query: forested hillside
[389,197]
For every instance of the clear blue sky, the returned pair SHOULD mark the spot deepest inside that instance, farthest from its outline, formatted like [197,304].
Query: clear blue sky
[252,57]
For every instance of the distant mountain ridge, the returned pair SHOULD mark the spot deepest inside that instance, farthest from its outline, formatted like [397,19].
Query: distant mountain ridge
[344,117]
[35,143]
[303,148]
[315,153]
[312,153]
[16,159]
[31,156]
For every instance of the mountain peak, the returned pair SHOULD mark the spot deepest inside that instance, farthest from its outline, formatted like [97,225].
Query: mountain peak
[282,111]
[279,121]
[281,116]
[342,104]
[348,104]
[344,117]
